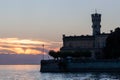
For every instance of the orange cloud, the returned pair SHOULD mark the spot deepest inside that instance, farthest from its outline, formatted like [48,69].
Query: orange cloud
[26,46]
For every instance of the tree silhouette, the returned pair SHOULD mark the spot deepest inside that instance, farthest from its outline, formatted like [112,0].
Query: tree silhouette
[77,54]
[112,49]
[54,54]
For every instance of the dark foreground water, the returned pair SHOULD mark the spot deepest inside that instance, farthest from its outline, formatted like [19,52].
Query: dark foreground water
[31,72]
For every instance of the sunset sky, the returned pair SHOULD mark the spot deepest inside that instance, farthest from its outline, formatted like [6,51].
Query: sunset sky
[25,25]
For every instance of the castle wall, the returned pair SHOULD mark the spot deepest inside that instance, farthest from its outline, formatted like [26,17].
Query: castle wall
[79,44]
[100,41]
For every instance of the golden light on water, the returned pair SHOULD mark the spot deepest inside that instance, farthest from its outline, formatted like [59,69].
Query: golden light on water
[26,46]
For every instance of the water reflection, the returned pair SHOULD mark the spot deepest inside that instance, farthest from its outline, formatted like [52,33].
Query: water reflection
[80,76]
[31,72]
[19,67]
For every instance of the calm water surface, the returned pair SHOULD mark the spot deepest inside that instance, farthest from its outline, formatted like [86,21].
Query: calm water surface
[31,72]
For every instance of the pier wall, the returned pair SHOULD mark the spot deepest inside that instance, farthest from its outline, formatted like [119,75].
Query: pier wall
[80,66]
[49,66]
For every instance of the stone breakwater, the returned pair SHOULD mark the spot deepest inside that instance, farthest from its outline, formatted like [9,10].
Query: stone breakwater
[80,66]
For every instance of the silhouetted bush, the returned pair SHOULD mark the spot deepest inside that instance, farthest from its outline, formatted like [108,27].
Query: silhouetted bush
[54,54]
[77,54]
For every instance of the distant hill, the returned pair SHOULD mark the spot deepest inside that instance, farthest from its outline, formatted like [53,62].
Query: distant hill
[9,59]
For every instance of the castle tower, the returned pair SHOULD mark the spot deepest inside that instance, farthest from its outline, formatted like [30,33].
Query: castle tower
[96,19]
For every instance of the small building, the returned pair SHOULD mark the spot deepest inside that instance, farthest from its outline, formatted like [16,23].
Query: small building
[93,43]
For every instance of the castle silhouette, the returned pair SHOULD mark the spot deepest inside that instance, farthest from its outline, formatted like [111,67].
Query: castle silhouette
[93,43]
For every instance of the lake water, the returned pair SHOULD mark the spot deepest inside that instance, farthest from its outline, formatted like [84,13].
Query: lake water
[31,72]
